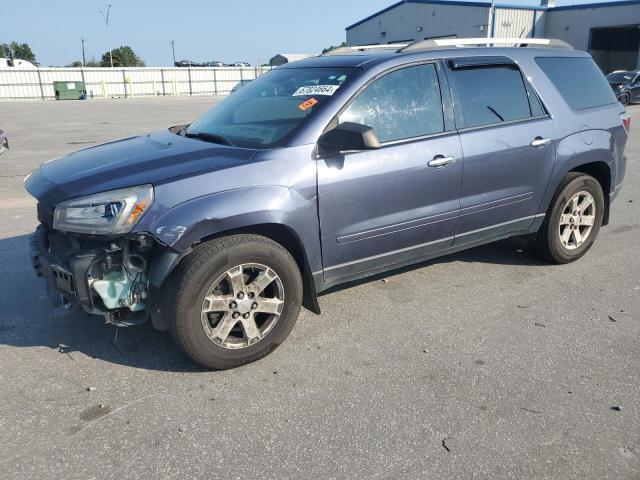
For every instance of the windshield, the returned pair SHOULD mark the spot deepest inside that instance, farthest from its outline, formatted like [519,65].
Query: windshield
[620,77]
[266,111]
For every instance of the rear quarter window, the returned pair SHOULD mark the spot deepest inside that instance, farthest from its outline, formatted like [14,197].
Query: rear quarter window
[579,81]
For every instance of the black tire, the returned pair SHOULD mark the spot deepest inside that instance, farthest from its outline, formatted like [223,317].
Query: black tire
[199,270]
[546,243]
[625,99]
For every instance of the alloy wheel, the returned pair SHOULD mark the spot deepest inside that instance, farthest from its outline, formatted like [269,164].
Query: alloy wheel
[624,99]
[576,220]
[242,306]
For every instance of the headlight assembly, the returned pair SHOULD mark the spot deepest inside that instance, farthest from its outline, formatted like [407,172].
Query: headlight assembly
[113,212]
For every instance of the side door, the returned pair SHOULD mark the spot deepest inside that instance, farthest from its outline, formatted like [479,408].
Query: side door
[400,202]
[508,143]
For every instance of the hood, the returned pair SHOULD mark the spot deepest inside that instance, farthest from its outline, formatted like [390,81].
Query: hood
[153,158]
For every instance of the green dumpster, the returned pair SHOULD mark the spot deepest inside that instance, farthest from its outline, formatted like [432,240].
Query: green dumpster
[70,90]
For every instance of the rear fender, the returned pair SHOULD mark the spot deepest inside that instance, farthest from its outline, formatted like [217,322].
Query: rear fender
[574,152]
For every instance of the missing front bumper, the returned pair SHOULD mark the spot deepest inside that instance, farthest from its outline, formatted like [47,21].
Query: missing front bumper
[92,274]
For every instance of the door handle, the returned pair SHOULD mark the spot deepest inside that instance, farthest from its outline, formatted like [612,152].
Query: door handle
[439,161]
[540,142]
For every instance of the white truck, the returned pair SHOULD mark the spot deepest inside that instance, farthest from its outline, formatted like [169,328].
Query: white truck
[16,63]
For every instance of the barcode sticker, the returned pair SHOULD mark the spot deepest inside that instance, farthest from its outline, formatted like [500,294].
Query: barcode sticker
[316,90]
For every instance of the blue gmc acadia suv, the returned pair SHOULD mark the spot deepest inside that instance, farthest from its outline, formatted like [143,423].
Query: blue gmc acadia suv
[328,170]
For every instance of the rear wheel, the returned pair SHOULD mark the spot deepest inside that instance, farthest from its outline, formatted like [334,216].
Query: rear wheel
[237,299]
[625,99]
[573,220]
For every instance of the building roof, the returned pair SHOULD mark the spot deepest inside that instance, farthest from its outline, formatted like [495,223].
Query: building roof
[618,3]
[466,3]
[462,3]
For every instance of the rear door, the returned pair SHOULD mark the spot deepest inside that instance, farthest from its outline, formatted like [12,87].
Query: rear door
[395,204]
[508,144]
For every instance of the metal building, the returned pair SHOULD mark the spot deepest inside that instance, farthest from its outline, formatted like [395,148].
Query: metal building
[610,31]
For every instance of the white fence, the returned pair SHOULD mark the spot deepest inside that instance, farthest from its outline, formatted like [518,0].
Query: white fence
[126,82]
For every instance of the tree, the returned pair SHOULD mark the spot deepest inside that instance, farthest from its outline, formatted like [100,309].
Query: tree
[122,57]
[17,50]
[75,64]
[332,47]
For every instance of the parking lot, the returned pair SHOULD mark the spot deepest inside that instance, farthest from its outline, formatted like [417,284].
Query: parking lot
[483,364]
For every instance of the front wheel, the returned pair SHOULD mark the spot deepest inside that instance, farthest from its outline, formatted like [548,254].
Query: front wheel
[237,299]
[573,220]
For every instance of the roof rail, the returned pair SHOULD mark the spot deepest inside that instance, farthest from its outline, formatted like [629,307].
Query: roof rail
[435,43]
[363,48]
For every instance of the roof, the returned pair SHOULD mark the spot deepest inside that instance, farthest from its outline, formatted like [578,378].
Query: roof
[371,58]
[466,3]
[339,61]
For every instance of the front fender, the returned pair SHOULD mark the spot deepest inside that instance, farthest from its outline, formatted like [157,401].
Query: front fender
[190,222]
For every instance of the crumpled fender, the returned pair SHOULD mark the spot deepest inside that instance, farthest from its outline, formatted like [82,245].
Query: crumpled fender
[190,222]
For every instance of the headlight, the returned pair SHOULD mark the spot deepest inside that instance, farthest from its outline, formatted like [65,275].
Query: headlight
[113,212]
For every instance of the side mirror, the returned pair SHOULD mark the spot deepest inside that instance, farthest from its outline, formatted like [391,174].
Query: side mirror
[349,136]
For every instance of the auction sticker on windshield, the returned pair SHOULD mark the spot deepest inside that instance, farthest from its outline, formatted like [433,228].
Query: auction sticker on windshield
[308,104]
[316,90]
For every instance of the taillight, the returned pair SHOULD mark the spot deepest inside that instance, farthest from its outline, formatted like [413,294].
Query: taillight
[626,121]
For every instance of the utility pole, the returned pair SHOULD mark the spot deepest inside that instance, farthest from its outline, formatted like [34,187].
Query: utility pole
[84,64]
[106,21]
[173,50]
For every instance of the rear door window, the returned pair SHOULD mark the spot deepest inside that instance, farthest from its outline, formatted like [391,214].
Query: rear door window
[491,94]
[404,103]
[579,81]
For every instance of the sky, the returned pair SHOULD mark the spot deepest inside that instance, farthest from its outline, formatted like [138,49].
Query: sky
[225,30]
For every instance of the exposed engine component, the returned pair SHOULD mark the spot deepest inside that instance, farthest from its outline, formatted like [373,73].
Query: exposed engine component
[121,289]
[132,262]
[120,278]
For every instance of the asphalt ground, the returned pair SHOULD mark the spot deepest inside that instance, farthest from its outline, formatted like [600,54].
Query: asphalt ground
[483,364]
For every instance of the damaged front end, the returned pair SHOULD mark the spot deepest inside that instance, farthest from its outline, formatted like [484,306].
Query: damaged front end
[104,277]
[89,258]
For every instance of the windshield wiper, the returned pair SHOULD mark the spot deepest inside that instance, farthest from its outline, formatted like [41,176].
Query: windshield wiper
[210,137]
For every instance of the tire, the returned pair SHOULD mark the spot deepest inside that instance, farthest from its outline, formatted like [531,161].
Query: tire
[193,330]
[625,99]
[548,242]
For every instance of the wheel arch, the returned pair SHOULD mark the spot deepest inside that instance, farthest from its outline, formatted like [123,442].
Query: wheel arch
[290,240]
[602,173]
[167,259]
[591,152]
